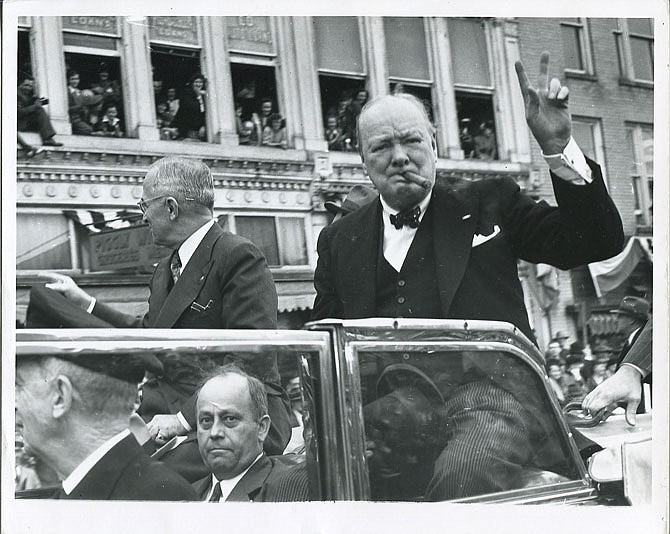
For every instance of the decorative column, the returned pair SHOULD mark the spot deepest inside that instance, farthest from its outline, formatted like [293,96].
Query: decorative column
[374,48]
[137,80]
[514,134]
[46,38]
[300,81]
[446,115]
[216,67]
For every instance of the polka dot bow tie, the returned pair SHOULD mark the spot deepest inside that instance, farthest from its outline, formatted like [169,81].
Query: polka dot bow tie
[408,217]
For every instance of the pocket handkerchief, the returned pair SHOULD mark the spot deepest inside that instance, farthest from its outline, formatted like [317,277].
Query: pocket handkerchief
[479,239]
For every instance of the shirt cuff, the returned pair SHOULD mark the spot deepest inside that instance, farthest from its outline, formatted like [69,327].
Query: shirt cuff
[642,373]
[184,422]
[91,305]
[571,165]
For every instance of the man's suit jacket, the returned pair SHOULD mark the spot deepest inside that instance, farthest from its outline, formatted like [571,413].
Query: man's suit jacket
[639,352]
[268,480]
[126,473]
[225,285]
[479,230]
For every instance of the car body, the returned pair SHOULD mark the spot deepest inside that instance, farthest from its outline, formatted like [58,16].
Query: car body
[366,389]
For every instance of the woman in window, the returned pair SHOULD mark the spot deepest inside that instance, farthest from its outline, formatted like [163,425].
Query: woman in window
[275,133]
[190,117]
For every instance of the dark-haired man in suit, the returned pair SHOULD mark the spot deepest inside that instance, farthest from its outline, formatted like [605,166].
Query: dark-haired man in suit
[213,279]
[450,250]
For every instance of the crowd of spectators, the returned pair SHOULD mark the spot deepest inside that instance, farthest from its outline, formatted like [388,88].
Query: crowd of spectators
[576,371]
[182,116]
[262,127]
[340,121]
[478,141]
[95,110]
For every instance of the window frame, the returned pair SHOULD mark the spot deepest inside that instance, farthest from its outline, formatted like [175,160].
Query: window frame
[640,181]
[622,37]
[584,44]
[232,227]
[73,240]
[598,142]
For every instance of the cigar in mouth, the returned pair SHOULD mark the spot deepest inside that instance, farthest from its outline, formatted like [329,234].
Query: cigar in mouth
[416,179]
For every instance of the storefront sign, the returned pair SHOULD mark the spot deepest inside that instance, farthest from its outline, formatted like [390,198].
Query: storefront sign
[100,25]
[249,34]
[174,30]
[125,248]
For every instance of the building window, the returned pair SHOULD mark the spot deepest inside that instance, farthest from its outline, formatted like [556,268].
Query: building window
[576,45]
[588,134]
[93,71]
[253,57]
[407,58]
[635,46]
[473,87]
[24,58]
[342,78]
[281,239]
[44,241]
[180,88]
[641,154]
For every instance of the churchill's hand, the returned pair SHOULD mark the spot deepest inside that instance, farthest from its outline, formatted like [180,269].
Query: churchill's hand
[623,386]
[163,427]
[68,288]
[546,107]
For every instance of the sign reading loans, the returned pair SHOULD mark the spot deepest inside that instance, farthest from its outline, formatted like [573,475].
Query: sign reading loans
[101,25]
[249,34]
[125,248]
[174,30]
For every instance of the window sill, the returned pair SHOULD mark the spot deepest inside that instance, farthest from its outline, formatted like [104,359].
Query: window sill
[579,75]
[28,279]
[636,83]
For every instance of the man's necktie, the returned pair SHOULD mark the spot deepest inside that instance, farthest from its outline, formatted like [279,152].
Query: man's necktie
[175,266]
[216,494]
[409,217]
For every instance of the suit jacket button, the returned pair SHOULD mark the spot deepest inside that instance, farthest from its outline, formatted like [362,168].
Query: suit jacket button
[401,283]
[401,300]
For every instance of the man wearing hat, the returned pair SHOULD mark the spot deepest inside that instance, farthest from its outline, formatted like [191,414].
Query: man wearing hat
[632,315]
[358,196]
[74,412]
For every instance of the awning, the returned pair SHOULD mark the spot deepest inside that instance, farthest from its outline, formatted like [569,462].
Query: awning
[610,274]
[98,221]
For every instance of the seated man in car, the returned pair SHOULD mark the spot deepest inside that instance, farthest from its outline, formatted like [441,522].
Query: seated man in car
[232,423]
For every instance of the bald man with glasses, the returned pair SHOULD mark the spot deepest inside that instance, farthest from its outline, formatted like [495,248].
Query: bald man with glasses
[213,279]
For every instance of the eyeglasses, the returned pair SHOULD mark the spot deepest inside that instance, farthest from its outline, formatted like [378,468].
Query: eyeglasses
[144,204]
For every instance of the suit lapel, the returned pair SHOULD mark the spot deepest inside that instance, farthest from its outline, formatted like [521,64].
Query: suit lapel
[252,482]
[202,487]
[191,280]
[358,262]
[454,219]
[100,481]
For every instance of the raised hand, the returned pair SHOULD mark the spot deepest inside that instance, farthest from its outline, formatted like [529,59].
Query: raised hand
[546,108]
[67,287]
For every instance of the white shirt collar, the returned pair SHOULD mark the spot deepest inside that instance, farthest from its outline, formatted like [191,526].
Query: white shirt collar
[227,486]
[83,468]
[388,210]
[187,248]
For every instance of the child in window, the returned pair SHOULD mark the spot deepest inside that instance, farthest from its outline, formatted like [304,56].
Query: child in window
[275,133]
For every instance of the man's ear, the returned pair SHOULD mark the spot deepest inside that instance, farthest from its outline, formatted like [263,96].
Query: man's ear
[173,208]
[61,396]
[263,427]
[433,142]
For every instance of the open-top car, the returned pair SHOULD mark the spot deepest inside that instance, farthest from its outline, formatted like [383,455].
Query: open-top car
[398,410]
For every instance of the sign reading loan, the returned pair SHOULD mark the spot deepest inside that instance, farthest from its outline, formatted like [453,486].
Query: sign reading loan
[174,30]
[103,25]
[249,34]
[125,248]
